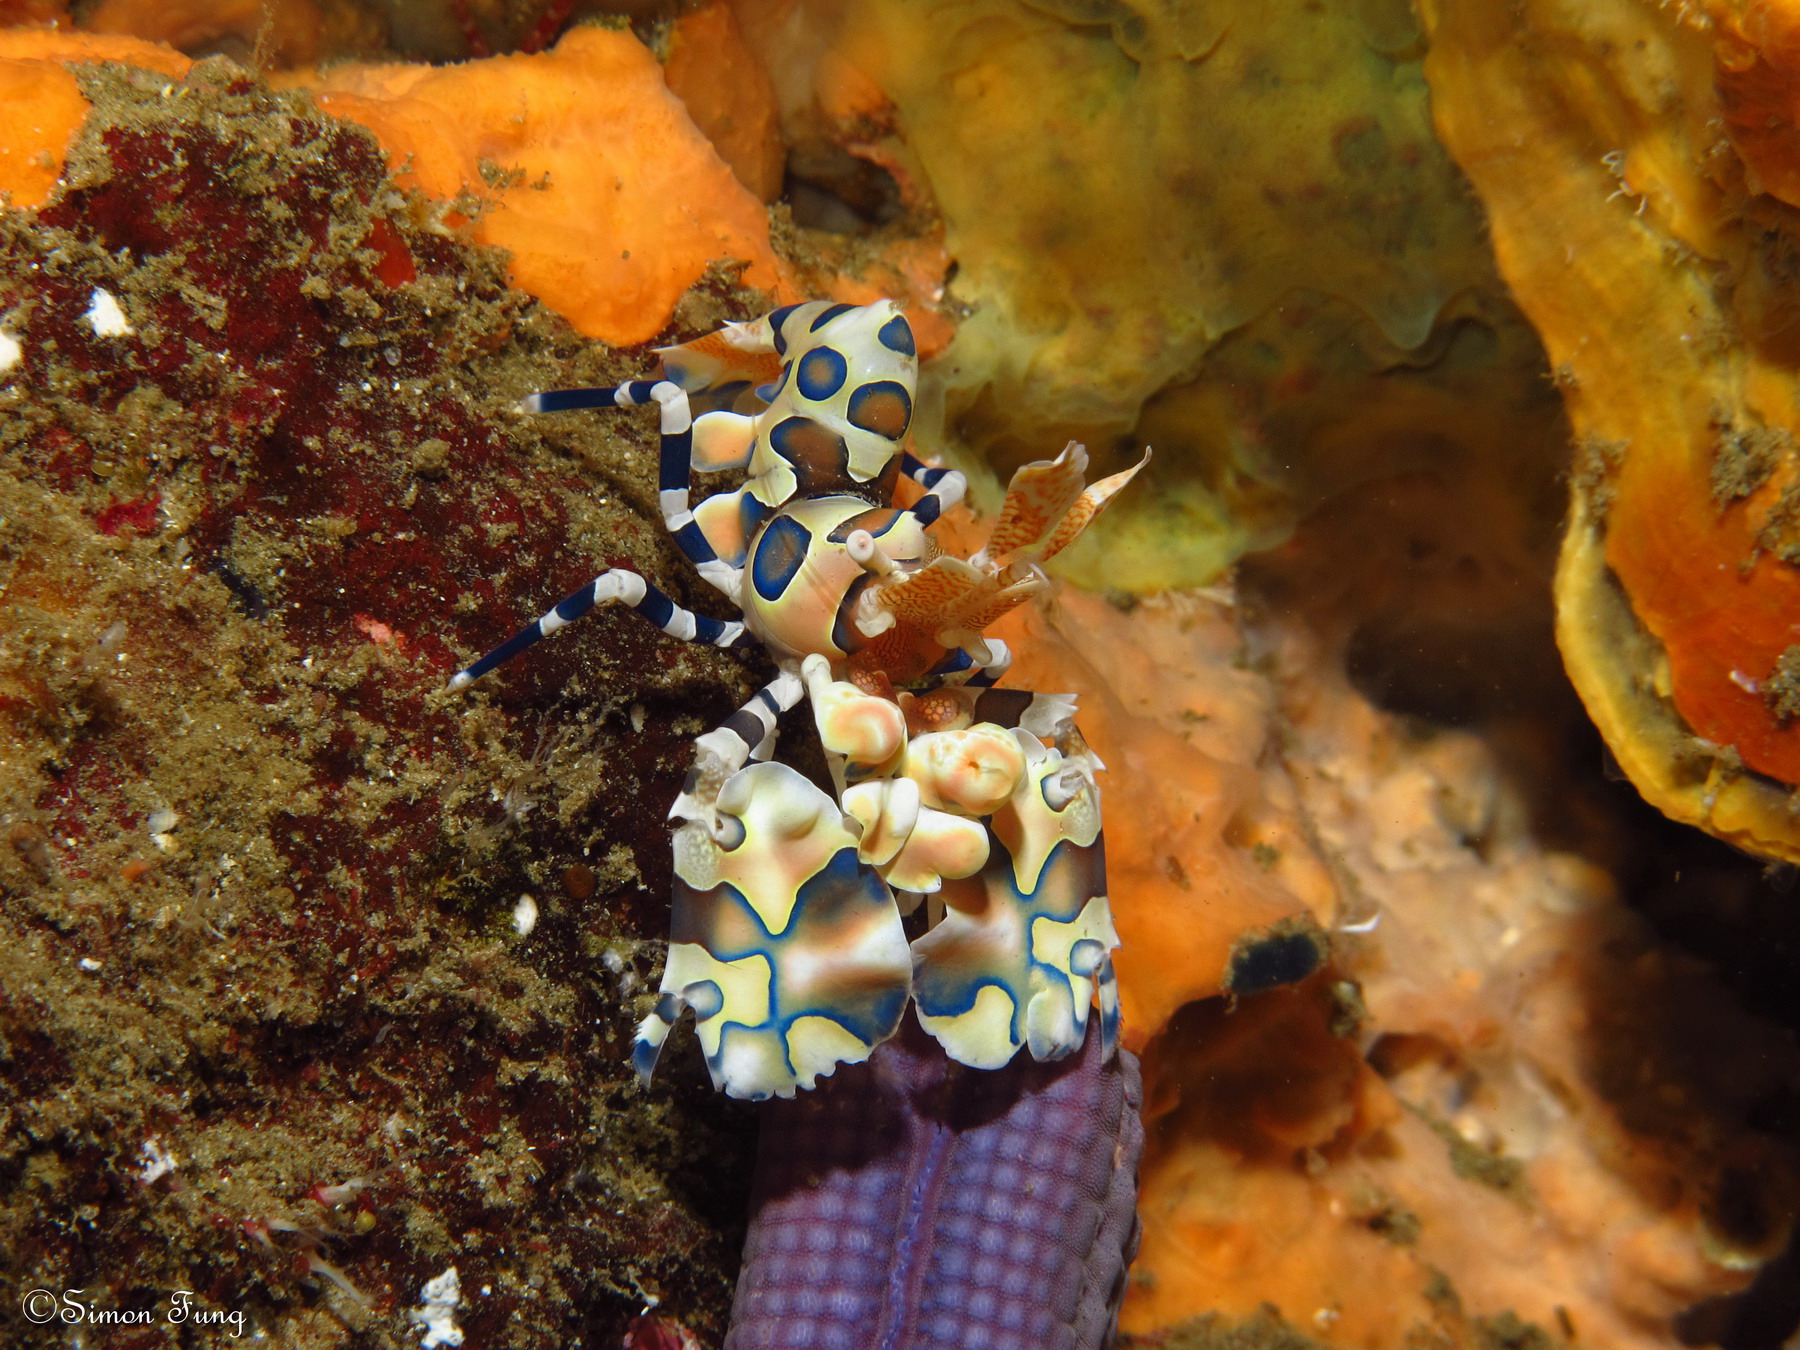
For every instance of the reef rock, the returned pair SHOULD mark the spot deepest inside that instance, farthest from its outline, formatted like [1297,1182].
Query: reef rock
[315,983]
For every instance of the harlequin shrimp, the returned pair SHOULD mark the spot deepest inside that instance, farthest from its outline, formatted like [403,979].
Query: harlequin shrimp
[788,940]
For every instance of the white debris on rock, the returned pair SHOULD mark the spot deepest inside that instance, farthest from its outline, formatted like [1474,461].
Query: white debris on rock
[107,318]
[525,916]
[158,1161]
[436,1313]
[614,961]
[161,823]
[10,351]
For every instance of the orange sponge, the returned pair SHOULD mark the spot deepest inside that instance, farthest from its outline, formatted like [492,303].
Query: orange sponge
[729,95]
[591,172]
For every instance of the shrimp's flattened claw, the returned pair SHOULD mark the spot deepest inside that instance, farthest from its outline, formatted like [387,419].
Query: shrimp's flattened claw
[788,950]
[1023,950]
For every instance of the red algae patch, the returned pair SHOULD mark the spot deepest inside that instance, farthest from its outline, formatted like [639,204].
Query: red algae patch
[581,163]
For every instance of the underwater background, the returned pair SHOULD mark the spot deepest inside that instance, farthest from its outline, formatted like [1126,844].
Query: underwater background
[1445,660]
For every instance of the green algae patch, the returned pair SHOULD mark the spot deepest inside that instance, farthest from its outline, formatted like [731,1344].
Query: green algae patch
[1264,1329]
[1471,1162]
[1782,690]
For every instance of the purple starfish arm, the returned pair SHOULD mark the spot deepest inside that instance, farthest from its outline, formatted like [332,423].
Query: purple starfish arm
[910,1202]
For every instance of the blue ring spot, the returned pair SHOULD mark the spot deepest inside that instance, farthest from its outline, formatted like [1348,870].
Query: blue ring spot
[705,998]
[1086,957]
[768,393]
[883,407]
[878,523]
[751,515]
[829,313]
[780,551]
[896,335]
[821,373]
[776,319]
